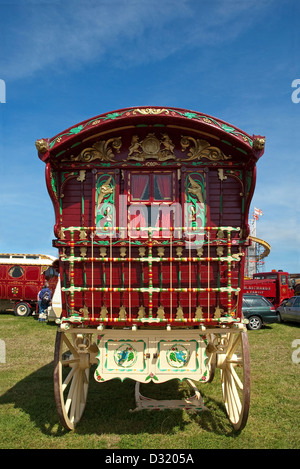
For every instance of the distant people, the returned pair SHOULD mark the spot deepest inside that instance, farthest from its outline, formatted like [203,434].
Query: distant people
[37,309]
[44,302]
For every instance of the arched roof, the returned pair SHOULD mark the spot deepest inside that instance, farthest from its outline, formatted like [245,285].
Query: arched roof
[85,133]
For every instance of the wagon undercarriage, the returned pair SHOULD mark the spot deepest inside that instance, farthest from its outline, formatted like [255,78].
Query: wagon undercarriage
[152,355]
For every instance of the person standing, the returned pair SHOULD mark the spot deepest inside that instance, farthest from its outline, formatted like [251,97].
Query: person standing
[44,302]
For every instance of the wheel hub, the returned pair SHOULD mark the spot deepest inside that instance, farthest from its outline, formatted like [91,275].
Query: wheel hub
[84,360]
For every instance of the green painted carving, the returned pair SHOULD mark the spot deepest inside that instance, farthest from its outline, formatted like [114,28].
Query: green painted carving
[105,203]
[195,201]
[178,356]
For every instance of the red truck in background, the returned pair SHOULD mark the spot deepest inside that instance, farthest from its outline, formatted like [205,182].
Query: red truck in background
[276,286]
[22,276]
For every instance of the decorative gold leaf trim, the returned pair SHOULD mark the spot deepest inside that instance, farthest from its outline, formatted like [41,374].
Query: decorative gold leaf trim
[151,111]
[201,149]
[42,146]
[259,143]
[151,148]
[104,190]
[195,189]
[102,150]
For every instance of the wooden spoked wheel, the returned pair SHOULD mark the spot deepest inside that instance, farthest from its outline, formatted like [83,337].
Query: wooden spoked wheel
[211,364]
[235,378]
[72,361]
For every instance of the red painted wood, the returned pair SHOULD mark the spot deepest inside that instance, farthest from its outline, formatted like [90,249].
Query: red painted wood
[73,186]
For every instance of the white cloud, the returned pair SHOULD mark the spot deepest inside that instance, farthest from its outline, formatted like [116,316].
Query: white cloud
[41,35]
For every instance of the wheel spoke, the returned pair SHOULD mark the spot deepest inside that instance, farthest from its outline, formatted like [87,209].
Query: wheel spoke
[85,378]
[76,397]
[71,377]
[233,344]
[68,378]
[69,399]
[232,398]
[70,361]
[235,377]
[235,398]
[230,401]
[70,346]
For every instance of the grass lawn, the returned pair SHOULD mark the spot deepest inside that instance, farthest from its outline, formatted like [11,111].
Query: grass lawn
[28,417]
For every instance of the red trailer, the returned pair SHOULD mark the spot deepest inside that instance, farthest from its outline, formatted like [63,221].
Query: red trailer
[22,276]
[272,285]
[151,209]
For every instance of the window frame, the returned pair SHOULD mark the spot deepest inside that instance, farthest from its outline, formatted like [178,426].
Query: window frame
[12,268]
[257,302]
[151,199]
[283,280]
[296,303]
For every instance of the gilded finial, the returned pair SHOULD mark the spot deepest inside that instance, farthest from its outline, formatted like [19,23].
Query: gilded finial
[42,145]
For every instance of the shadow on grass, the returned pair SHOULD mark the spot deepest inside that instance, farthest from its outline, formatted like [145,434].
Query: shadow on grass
[109,405]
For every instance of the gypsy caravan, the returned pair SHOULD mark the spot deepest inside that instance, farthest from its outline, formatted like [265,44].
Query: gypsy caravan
[151,208]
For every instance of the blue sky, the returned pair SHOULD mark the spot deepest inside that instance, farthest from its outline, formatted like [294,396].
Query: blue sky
[66,61]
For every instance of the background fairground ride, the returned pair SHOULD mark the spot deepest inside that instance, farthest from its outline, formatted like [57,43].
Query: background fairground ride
[275,285]
[259,249]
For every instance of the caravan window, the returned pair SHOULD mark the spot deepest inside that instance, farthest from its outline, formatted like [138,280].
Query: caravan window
[16,271]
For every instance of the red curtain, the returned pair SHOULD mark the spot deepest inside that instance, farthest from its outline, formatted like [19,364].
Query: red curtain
[140,186]
[164,185]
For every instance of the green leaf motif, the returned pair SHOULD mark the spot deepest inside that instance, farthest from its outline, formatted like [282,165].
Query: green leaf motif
[113,115]
[227,128]
[151,376]
[53,185]
[76,130]
[190,115]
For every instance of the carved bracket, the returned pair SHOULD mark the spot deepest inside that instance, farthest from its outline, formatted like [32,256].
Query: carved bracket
[201,149]
[102,150]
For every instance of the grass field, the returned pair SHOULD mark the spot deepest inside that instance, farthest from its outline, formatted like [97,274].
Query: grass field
[28,417]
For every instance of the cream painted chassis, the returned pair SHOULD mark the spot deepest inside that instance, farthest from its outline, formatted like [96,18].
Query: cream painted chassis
[156,355]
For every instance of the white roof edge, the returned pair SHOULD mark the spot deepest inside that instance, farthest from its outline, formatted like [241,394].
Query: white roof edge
[27,259]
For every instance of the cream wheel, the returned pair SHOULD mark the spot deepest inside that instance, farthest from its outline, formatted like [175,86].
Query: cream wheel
[71,376]
[211,354]
[235,378]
